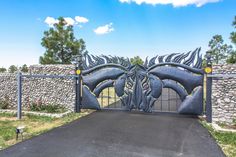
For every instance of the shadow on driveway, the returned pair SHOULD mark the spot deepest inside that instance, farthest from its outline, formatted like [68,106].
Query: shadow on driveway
[122,134]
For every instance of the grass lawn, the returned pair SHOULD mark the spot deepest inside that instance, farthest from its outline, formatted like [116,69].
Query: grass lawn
[35,125]
[226,140]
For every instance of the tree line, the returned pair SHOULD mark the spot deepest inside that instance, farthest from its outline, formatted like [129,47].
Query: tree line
[14,68]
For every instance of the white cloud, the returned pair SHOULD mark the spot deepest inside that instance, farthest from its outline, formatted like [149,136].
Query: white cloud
[69,21]
[50,21]
[81,19]
[104,29]
[175,3]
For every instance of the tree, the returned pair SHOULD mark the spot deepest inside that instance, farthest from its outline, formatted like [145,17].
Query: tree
[136,60]
[12,69]
[233,34]
[61,45]
[219,50]
[232,57]
[2,70]
[24,68]
[204,62]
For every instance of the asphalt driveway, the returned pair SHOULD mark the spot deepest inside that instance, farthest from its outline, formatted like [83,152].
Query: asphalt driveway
[122,134]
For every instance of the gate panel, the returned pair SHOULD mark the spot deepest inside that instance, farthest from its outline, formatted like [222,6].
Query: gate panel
[169,101]
[140,86]
[109,100]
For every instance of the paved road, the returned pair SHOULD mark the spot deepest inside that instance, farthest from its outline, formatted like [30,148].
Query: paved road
[122,134]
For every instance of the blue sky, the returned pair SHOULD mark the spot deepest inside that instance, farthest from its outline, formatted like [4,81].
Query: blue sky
[135,29]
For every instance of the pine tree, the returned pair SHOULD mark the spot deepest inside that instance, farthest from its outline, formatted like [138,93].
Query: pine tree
[61,45]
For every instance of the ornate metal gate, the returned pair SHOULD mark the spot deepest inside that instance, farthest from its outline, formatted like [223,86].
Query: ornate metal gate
[140,87]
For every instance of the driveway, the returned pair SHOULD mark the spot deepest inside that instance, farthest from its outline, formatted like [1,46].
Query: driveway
[122,134]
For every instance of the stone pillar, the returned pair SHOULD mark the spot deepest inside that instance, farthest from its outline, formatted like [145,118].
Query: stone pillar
[224,95]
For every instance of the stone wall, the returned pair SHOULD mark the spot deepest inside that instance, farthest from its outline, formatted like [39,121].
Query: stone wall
[40,90]
[62,91]
[8,88]
[224,95]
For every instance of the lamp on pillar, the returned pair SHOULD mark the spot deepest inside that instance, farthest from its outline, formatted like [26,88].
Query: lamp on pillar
[80,60]
[209,58]
[208,68]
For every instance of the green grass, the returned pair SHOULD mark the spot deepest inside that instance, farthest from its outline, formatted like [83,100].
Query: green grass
[7,131]
[6,114]
[35,118]
[227,140]
[34,125]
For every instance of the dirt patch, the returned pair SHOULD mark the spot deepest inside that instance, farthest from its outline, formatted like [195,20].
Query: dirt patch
[8,118]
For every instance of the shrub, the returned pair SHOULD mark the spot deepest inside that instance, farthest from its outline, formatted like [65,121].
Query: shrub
[48,108]
[24,68]
[234,122]
[5,103]
[2,70]
[12,69]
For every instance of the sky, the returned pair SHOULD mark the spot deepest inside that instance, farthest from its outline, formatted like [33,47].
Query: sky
[114,27]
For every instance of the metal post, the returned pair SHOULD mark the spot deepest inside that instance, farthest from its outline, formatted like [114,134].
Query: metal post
[76,90]
[80,92]
[209,91]
[78,84]
[102,99]
[208,100]
[19,95]
[169,99]
[108,97]
[161,98]
[115,96]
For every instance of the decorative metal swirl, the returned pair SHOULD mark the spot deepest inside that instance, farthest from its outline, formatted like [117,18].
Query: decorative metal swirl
[91,61]
[191,59]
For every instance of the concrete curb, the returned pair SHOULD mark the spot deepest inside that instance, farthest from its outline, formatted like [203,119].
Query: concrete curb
[53,115]
[218,128]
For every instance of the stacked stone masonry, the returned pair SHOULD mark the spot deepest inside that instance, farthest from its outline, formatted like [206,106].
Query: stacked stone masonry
[40,90]
[224,95]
